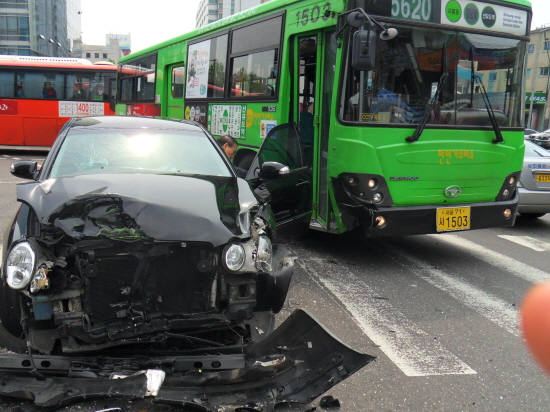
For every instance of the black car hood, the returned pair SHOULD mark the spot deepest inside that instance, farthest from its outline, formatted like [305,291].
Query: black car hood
[131,207]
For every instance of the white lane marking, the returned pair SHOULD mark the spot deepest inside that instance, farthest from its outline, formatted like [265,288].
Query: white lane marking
[409,347]
[529,242]
[515,267]
[489,306]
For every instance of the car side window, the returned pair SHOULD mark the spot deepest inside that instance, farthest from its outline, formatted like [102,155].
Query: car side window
[283,146]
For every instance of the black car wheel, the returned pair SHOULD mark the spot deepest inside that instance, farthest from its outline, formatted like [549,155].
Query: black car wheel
[10,317]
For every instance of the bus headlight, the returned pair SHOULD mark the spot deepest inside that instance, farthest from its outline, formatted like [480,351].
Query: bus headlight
[377,198]
[20,265]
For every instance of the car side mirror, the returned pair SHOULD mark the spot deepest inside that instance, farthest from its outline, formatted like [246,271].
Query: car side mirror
[363,50]
[273,169]
[25,169]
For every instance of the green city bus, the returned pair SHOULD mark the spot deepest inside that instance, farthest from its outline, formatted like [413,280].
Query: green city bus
[399,117]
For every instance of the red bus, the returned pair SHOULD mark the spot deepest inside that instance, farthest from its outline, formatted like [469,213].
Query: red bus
[39,94]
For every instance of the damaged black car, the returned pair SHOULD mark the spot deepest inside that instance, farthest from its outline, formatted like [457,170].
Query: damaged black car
[140,264]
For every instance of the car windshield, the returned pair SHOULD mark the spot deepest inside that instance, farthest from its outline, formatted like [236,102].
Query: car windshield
[96,151]
[534,150]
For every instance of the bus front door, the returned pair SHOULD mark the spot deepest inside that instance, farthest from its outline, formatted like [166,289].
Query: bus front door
[314,58]
[173,100]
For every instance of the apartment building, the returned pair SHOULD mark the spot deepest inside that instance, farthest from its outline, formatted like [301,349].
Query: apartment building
[39,27]
[537,79]
[212,10]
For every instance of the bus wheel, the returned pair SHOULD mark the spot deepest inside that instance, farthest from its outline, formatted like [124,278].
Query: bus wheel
[246,161]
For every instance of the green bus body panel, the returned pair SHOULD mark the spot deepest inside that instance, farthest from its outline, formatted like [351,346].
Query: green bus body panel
[443,156]
[434,162]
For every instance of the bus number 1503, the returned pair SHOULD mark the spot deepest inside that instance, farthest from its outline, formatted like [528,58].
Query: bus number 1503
[312,15]
[419,10]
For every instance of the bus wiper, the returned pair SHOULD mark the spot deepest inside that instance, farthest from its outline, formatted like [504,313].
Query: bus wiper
[492,118]
[420,128]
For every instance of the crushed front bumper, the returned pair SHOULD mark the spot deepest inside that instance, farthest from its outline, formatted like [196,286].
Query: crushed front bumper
[297,363]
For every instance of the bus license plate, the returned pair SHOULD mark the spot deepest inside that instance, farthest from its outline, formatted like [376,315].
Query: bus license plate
[542,178]
[453,218]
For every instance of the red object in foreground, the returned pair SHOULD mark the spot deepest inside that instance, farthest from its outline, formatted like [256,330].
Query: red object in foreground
[535,323]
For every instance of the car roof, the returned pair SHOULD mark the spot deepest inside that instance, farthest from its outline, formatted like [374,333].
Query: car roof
[133,122]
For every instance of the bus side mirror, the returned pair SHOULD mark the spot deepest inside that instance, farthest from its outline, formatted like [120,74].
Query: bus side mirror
[363,50]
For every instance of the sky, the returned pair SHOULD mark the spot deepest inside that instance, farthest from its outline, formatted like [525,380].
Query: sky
[160,20]
[147,23]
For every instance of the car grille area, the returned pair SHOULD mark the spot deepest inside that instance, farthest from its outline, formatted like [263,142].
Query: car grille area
[164,280]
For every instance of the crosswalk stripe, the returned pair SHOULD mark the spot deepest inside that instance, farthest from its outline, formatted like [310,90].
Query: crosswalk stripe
[491,307]
[529,242]
[409,347]
[515,267]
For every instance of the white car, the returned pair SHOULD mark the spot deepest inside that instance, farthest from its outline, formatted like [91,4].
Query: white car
[534,184]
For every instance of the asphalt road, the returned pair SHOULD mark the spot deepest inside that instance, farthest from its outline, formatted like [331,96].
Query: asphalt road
[440,313]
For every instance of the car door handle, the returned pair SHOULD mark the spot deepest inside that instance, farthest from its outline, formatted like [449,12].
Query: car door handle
[303,182]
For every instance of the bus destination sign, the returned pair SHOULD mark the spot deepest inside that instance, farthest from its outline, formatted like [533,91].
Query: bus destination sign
[419,10]
[459,13]
[465,13]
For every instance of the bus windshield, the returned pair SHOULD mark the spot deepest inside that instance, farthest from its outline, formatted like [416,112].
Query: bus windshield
[410,68]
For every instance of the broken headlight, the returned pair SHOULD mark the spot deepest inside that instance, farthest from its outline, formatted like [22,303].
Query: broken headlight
[20,265]
[249,256]
[264,256]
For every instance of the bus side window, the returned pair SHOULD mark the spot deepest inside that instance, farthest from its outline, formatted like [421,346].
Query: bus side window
[7,84]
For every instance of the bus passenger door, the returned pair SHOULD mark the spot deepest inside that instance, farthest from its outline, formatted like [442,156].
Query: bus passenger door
[172,104]
[280,167]
[312,107]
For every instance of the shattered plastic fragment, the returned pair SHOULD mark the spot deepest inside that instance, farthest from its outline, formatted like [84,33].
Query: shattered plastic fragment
[40,280]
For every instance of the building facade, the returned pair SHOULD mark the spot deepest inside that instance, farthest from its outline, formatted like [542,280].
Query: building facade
[537,80]
[124,41]
[39,27]
[99,53]
[212,10]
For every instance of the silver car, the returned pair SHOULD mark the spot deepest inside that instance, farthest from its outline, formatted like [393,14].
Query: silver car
[540,138]
[534,185]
